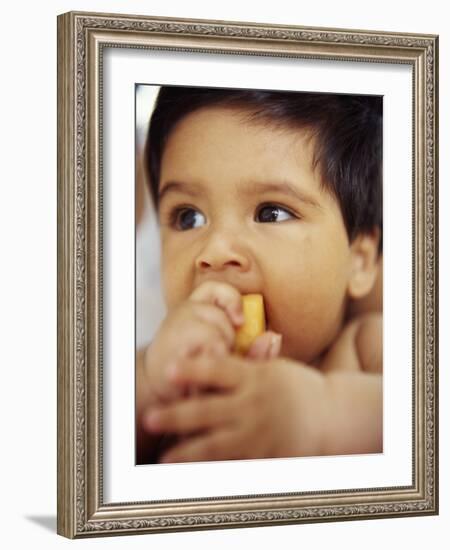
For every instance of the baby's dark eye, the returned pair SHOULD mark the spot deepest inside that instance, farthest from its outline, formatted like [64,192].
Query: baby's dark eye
[272,213]
[188,218]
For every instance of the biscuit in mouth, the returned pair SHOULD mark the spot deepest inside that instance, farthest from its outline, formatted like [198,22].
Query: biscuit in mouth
[254,323]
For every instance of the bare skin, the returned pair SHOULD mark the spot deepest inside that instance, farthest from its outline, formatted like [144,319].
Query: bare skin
[300,410]
[242,210]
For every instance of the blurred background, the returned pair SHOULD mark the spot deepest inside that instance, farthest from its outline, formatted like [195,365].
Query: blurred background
[150,308]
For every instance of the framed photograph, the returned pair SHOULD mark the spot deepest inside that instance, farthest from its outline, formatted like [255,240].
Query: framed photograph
[247,274]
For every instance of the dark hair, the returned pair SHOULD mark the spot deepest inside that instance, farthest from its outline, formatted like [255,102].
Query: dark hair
[347,131]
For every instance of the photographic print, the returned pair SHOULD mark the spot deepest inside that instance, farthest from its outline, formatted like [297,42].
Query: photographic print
[268,204]
[247,274]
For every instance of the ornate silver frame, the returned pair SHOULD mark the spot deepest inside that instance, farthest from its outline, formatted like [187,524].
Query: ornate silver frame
[81,510]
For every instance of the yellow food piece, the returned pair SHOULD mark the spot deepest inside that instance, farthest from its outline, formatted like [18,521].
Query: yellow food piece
[254,324]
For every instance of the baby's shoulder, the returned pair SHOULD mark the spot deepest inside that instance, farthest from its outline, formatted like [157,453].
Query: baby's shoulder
[369,342]
[359,346]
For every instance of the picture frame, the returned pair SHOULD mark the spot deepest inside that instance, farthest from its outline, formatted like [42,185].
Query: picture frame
[85,243]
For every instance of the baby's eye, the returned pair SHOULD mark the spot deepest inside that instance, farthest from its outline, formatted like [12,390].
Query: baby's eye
[188,218]
[272,213]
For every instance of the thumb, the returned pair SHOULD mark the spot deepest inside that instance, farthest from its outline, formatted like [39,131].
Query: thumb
[266,346]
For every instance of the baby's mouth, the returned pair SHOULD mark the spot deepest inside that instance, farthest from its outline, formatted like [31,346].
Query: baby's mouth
[266,316]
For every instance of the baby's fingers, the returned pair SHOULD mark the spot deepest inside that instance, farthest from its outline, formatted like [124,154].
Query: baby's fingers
[215,322]
[190,415]
[220,373]
[220,445]
[266,346]
[222,295]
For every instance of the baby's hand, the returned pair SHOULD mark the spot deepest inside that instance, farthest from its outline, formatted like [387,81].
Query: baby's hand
[203,324]
[259,409]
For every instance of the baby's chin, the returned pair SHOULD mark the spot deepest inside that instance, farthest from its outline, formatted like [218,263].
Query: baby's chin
[308,352]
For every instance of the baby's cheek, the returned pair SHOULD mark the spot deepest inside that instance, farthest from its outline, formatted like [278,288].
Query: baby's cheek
[172,288]
[309,319]
[176,273]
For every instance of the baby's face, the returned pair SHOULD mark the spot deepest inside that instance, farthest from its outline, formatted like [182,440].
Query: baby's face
[241,203]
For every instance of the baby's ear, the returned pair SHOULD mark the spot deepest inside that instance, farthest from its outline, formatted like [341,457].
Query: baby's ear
[364,258]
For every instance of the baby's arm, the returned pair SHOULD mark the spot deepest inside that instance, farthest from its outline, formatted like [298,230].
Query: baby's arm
[280,407]
[359,347]
[353,370]
[146,443]
[355,419]
[204,324]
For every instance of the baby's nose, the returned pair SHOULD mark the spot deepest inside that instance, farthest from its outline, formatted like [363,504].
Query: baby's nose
[222,253]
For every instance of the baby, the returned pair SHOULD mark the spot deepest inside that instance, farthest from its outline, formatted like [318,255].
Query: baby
[275,193]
